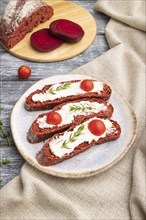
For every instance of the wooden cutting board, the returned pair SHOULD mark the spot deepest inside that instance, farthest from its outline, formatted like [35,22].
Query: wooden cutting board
[66,10]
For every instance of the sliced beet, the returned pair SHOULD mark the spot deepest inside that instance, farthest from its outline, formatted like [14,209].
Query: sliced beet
[43,40]
[66,30]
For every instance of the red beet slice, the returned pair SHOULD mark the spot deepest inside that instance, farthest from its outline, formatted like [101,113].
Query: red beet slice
[43,40]
[66,30]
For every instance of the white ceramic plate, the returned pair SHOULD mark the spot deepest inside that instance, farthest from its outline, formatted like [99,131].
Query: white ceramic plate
[94,160]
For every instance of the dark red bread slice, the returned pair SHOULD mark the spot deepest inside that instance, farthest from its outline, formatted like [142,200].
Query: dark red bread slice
[37,134]
[30,105]
[20,17]
[43,40]
[45,157]
[66,30]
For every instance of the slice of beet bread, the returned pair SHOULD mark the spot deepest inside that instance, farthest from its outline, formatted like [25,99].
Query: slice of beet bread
[31,105]
[37,134]
[46,157]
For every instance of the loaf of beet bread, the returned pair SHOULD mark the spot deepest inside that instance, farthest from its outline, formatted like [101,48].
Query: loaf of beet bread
[75,140]
[20,17]
[55,94]
[70,112]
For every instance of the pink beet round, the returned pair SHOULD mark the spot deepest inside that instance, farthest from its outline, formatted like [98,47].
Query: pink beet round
[66,30]
[43,40]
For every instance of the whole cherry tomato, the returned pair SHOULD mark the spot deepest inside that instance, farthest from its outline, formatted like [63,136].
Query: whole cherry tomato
[87,85]
[96,127]
[54,118]
[24,72]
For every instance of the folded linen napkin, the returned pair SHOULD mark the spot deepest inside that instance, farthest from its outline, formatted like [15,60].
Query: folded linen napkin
[119,192]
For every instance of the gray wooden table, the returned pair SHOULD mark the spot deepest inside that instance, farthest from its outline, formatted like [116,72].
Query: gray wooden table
[12,87]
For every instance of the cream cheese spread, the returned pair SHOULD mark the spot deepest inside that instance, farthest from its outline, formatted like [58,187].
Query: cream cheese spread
[71,110]
[72,89]
[55,144]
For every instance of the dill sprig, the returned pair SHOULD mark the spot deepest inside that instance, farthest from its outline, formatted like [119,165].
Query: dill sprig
[4,132]
[4,162]
[61,87]
[80,108]
[73,137]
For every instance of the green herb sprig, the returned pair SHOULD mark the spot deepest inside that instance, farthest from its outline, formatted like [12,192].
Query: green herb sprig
[4,132]
[73,137]
[61,87]
[80,108]
[4,162]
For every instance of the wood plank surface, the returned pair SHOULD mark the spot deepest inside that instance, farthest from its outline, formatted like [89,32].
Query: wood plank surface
[11,87]
[41,70]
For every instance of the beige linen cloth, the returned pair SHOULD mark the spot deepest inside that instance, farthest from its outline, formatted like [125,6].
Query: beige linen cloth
[118,193]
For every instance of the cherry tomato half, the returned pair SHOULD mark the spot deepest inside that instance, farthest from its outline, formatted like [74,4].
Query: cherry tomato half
[87,85]
[54,118]
[24,72]
[96,127]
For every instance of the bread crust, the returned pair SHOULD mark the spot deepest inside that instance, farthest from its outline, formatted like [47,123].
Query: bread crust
[38,106]
[9,37]
[36,134]
[46,158]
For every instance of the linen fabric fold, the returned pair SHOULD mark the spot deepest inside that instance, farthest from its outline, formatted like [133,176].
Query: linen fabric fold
[118,193]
